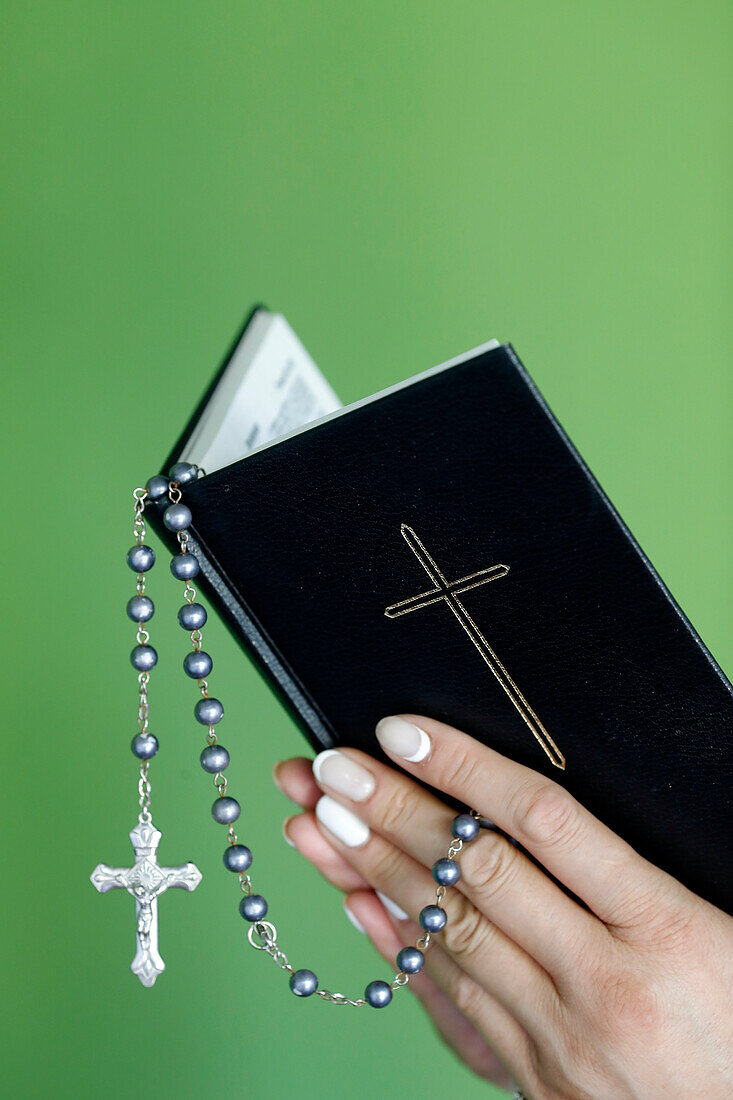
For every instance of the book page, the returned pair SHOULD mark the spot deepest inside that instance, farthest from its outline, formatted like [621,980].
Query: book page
[270,387]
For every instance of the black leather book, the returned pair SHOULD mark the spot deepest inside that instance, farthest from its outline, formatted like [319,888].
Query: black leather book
[443,549]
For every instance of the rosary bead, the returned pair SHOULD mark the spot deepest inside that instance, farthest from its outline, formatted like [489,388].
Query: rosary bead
[433,918]
[177,517]
[214,758]
[182,472]
[226,810]
[197,665]
[141,558]
[378,994]
[253,907]
[184,567]
[237,858]
[143,658]
[465,827]
[208,712]
[411,960]
[144,746]
[446,872]
[303,983]
[192,616]
[157,487]
[140,609]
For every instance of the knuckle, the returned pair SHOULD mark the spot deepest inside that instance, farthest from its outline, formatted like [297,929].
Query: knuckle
[628,1002]
[467,932]
[466,994]
[491,866]
[385,866]
[460,770]
[547,815]
[398,809]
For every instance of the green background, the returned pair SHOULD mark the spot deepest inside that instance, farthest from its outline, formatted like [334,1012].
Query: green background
[403,181]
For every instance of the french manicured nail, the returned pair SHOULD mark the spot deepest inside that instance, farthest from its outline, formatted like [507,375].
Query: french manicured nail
[354,920]
[286,837]
[401,738]
[391,906]
[339,772]
[345,826]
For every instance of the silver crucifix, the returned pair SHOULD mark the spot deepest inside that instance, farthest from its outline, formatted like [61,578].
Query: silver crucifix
[145,880]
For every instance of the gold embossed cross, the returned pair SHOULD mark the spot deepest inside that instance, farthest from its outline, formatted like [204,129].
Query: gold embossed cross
[449,591]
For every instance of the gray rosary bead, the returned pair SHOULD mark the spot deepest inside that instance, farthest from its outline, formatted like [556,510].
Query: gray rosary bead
[303,983]
[433,918]
[144,746]
[182,473]
[411,960]
[238,858]
[208,712]
[141,558]
[143,658]
[140,609]
[177,517]
[378,994]
[446,872]
[465,827]
[226,810]
[157,487]
[192,616]
[184,567]
[253,907]
[197,665]
[214,758]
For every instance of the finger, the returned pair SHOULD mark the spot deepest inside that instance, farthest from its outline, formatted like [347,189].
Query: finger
[510,1040]
[479,947]
[295,779]
[455,1028]
[499,879]
[302,832]
[506,1035]
[566,839]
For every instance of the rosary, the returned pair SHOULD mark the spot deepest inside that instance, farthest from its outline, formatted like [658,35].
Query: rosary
[146,879]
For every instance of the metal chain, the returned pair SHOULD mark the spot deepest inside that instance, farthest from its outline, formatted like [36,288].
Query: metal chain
[140,496]
[144,790]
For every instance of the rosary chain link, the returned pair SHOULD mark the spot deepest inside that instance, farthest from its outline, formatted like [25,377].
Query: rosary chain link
[139,530]
[144,790]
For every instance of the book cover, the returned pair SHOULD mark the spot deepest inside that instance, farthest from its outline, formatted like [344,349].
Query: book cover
[443,549]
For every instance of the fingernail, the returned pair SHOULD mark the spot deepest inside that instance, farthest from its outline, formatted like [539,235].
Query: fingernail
[401,738]
[286,825]
[354,920]
[391,906]
[345,826]
[275,779]
[333,769]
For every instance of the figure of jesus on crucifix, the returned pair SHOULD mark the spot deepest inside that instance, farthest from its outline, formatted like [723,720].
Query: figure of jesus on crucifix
[146,880]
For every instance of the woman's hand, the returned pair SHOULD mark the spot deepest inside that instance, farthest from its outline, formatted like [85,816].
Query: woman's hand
[629,998]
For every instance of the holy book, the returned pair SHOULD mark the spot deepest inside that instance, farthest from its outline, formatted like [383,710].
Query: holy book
[441,548]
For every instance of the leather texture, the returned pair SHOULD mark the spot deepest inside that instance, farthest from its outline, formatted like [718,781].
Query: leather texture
[302,550]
